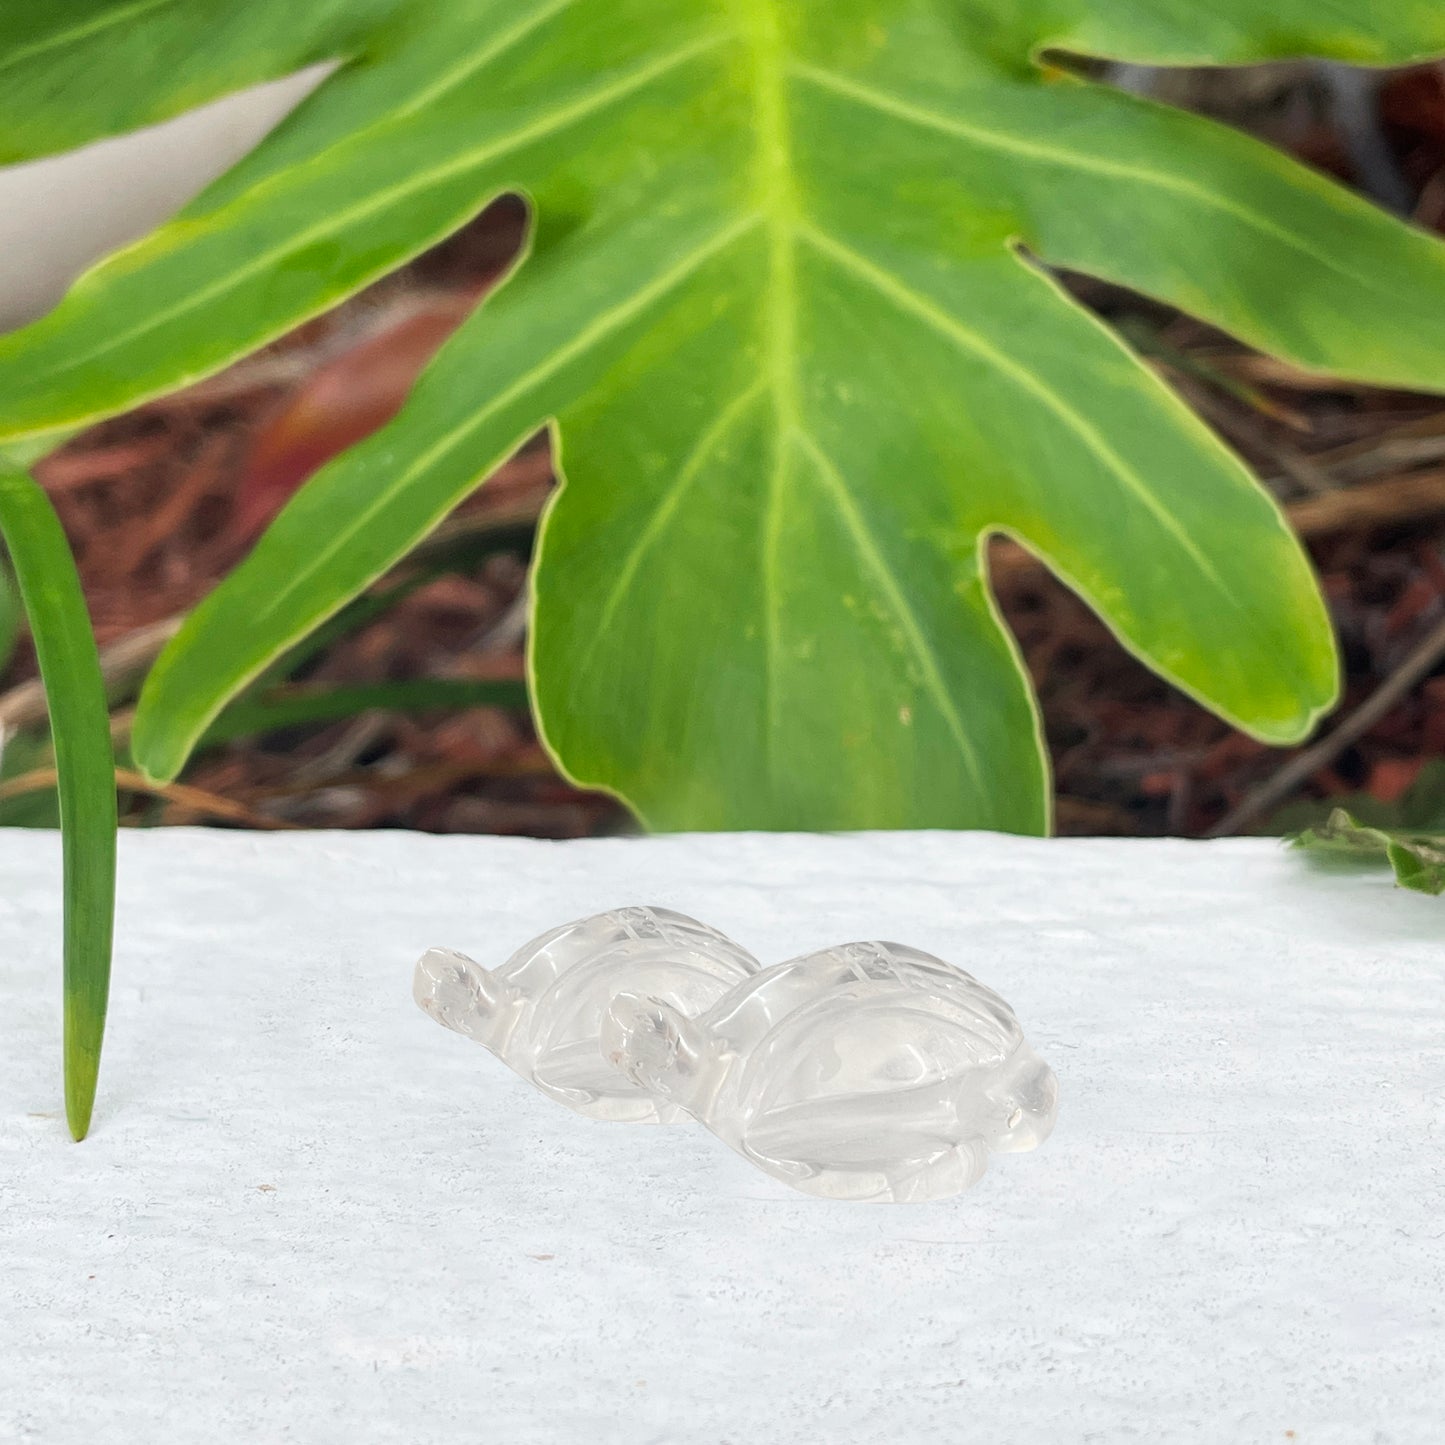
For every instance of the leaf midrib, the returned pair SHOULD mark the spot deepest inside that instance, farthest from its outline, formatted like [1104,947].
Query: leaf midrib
[775,195]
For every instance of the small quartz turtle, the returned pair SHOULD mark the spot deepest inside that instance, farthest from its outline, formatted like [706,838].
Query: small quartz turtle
[871,1071]
[541,1011]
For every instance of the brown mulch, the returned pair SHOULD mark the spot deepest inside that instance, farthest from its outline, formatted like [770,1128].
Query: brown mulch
[160,504]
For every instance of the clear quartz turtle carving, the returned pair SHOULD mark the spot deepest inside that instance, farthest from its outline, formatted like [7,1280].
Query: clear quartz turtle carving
[870,1071]
[541,1012]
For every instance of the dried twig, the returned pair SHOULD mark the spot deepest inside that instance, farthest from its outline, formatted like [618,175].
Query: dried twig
[1270,371]
[78,466]
[430,777]
[1414,666]
[197,800]
[1412,443]
[1414,497]
[24,705]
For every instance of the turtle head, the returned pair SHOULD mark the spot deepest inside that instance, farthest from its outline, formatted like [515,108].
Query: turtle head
[458,993]
[656,1045]
[1021,1103]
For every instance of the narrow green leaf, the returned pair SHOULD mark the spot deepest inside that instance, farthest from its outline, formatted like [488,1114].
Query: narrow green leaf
[80,725]
[357,613]
[302,706]
[478,539]
[1417,858]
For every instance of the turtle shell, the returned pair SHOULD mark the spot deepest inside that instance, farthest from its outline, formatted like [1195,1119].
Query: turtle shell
[872,1070]
[565,979]
[864,1018]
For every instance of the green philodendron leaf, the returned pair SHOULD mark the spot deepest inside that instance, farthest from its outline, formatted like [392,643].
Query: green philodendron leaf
[786,304]
[1417,858]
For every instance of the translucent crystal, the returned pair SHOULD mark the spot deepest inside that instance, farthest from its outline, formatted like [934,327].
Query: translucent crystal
[871,1071]
[542,1010]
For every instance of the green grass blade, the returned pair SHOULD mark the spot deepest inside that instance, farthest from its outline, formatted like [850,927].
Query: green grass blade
[464,547]
[298,707]
[80,724]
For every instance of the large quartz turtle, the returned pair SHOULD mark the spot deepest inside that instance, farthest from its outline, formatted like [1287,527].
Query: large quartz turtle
[541,1011]
[871,1071]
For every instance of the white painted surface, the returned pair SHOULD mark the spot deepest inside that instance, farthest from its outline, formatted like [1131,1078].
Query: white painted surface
[59,214]
[309,1214]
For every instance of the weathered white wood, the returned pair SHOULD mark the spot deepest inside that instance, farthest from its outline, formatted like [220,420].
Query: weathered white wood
[306,1213]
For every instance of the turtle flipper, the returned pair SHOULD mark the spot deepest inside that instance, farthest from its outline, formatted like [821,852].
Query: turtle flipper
[657,1046]
[938,1172]
[1021,1104]
[458,992]
[865,1149]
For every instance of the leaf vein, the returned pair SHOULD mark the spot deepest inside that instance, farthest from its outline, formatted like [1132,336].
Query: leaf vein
[60,39]
[873,558]
[707,443]
[1061,155]
[913,302]
[589,104]
[500,45]
[602,326]
[776,188]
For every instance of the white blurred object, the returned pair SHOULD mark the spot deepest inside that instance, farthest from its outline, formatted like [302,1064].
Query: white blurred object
[59,214]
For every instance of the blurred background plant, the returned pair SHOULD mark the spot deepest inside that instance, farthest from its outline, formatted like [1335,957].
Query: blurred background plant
[160,504]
